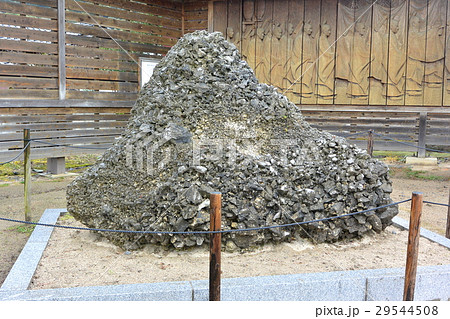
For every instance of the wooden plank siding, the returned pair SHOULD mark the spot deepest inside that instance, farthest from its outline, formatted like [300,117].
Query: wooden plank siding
[340,86]
[104,39]
[71,122]
[107,38]
[28,49]
[195,15]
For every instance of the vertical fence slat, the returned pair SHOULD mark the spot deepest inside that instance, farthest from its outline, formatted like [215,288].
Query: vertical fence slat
[447,232]
[27,174]
[370,143]
[413,246]
[62,49]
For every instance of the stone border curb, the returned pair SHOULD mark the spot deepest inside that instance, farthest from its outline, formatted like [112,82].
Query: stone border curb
[372,284]
[404,224]
[23,269]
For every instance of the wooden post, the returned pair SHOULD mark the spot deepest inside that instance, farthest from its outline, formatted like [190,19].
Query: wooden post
[210,16]
[215,246]
[182,19]
[27,174]
[413,246]
[422,134]
[447,232]
[62,49]
[370,143]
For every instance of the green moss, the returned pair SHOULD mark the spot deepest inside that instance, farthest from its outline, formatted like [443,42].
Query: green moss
[66,216]
[423,175]
[24,229]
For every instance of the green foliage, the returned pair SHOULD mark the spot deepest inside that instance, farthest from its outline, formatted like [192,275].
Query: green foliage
[423,175]
[24,229]
[66,216]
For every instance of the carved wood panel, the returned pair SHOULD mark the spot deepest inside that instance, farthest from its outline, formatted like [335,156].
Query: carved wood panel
[415,67]
[327,52]
[395,93]
[379,53]
[435,52]
[248,41]
[294,50]
[385,52]
[279,45]
[234,28]
[310,54]
[264,12]
[345,21]
[446,90]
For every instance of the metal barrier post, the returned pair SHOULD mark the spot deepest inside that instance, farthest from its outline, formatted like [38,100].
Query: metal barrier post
[447,232]
[370,143]
[27,174]
[215,246]
[413,246]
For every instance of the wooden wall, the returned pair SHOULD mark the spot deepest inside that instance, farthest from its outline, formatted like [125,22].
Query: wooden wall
[28,49]
[103,40]
[345,52]
[195,15]
[49,47]
[64,77]
[84,126]
[104,43]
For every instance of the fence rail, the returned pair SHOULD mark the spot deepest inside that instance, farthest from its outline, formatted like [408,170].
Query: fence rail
[99,123]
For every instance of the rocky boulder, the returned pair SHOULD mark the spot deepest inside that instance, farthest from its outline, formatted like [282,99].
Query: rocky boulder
[204,123]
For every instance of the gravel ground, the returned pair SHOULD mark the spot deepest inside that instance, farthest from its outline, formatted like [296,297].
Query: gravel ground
[98,262]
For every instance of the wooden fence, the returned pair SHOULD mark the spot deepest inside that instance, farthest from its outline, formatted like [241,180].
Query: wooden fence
[99,123]
[93,124]
[73,82]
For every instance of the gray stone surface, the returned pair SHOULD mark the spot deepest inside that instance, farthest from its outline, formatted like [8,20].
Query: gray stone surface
[179,291]
[432,283]
[204,123]
[372,284]
[337,286]
[56,165]
[441,240]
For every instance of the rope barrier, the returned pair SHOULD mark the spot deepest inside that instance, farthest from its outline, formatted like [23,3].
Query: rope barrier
[432,203]
[72,146]
[354,134]
[17,156]
[105,148]
[409,144]
[203,232]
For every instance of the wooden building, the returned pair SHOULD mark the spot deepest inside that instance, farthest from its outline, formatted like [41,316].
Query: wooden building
[70,69]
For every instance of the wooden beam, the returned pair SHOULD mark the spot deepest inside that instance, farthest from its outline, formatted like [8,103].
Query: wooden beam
[413,246]
[66,103]
[182,18]
[27,174]
[447,230]
[215,246]
[210,16]
[62,49]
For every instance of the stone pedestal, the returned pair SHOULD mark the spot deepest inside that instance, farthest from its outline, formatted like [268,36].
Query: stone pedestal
[56,165]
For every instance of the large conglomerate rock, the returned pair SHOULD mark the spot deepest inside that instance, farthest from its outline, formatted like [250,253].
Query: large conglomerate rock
[204,123]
